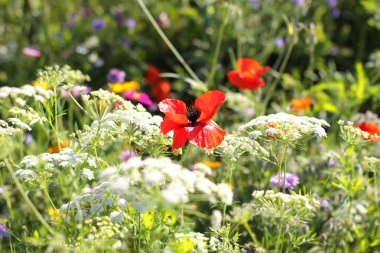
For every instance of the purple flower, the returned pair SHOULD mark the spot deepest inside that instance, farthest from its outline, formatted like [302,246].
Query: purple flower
[250,112]
[32,52]
[3,231]
[98,24]
[279,42]
[298,2]
[77,91]
[291,181]
[126,155]
[116,75]
[130,23]
[153,107]
[126,42]
[118,16]
[140,97]
[28,139]
[255,3]
[324,204]
[335,12]
[332,3]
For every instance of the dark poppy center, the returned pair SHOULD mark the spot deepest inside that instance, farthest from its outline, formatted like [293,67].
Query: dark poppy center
[192,113]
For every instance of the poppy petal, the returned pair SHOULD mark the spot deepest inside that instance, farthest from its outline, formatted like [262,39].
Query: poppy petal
[168,125]
[179,138]
[208,103]
[245,64]
[152,75]
[208,135]
[172,106]
[174,109]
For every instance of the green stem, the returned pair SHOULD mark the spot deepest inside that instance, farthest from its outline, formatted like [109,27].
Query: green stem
[231,168]
[251,234]
[376,193]
[27,200]
[48,196]
[56,131]
[217,51]
[278,79]
[281,165]
[166,40]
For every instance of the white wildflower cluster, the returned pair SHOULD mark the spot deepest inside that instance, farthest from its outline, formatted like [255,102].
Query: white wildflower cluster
[280,205]
[173,183]
[103,234]
[46,166]
[94,202]
[371,163]
[29,116]
[233,147]
[74,76]
[285,127]
[23,95]
[12,127]
[139,126]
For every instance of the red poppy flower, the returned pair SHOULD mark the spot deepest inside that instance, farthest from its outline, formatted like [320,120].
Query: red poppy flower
[160,86]
[247,76]
[370,128]
[301,103]
[193,122]
[152,75]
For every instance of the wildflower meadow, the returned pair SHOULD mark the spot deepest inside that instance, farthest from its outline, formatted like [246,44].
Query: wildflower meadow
[190,126]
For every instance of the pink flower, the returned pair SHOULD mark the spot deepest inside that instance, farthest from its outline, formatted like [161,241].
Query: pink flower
[140,97]
[77,91]
[28,51]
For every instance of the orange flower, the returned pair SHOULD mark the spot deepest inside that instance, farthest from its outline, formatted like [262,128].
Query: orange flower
[248,74]
[370,128]
[124,87]
[56,148]
[301,103]
[212,164]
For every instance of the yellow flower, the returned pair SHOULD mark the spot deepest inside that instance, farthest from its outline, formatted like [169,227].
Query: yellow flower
[123,87]
[42,85]
[212,164]
[53,213]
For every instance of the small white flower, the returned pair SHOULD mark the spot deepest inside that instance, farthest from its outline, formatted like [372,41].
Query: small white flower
[87,174]
[116,217]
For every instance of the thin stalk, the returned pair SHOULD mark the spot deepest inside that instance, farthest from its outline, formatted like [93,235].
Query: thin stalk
[376,193]
[139,240]
[281,72]
[56,119]
[27,200]
[280,165]
[251,234]
[217,51]
[48,196]
[167,41]
[231,168]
